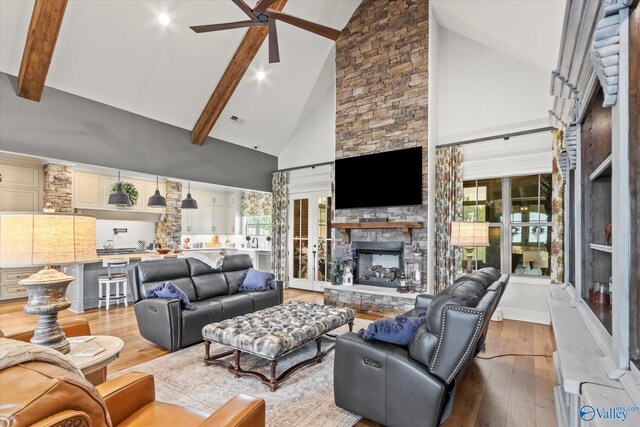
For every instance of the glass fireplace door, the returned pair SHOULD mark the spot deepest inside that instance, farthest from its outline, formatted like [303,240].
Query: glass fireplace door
[309,240]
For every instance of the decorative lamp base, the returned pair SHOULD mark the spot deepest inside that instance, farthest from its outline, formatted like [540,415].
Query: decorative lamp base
[47,296]
[469,260]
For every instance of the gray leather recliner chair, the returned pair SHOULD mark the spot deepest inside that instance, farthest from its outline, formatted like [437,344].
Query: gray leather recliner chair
[415,385]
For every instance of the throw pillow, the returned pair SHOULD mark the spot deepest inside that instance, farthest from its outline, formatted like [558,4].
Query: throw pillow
[397,331]
[169,290]
[255,281]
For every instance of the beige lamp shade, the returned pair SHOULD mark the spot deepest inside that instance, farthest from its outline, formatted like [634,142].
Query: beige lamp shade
[470,234]
[44,239]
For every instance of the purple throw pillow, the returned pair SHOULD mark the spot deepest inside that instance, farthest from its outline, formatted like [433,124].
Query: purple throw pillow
[255,281]
[169,290]
[397,331]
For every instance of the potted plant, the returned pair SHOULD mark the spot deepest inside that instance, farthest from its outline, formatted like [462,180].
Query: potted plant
[248,239]
[268,239]
[130,190]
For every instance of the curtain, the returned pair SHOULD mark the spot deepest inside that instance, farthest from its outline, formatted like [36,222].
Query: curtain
[557,212]
[253,203]
[449,197]
[279,225]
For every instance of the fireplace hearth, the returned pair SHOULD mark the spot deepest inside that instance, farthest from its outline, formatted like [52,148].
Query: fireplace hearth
[377,263]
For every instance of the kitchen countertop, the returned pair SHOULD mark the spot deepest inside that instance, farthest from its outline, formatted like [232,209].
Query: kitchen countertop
[224,248]
[136,256]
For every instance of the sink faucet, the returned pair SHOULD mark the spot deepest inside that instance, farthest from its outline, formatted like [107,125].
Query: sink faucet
[254,242]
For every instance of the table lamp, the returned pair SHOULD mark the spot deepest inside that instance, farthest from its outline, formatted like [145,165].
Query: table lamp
[30,239]
[469,235]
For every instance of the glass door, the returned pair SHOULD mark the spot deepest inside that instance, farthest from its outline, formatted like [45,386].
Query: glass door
[309,240]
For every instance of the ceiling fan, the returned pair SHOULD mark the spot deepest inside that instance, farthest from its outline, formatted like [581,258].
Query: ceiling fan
[262,16]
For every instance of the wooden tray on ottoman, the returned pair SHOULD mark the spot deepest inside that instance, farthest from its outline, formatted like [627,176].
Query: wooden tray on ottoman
[275,332]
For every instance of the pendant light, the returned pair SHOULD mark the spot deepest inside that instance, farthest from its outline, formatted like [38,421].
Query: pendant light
[157,201]
[189,202]
[119,197]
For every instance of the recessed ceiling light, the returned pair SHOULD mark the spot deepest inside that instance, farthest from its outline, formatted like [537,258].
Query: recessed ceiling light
[261,75]
[164,19]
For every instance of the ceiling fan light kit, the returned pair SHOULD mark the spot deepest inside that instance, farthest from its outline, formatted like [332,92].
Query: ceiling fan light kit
[261,16]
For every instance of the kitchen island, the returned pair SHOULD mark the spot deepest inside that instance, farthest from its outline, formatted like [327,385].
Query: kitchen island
[83,291]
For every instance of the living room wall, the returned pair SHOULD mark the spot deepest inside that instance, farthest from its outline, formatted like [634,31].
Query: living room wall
[381,101]
[68,127]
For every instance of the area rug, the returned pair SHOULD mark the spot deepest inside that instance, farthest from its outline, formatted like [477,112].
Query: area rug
[304,399]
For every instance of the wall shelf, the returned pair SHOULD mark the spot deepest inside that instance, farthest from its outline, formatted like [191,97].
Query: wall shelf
[603,169]
[406,227]
[601,248]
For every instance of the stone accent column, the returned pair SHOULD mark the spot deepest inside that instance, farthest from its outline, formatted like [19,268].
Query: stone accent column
[169,231]
[381,103]
[58,187]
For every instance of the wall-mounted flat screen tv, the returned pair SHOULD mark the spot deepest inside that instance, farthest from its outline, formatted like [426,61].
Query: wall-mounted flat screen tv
[392,178]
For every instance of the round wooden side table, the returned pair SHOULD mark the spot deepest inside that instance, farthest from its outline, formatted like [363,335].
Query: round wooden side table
[91,365]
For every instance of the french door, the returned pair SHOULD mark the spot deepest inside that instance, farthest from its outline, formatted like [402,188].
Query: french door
[309,238]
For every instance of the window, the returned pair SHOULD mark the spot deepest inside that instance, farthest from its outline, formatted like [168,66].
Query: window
[483,202]
[525,211]
[530,219]
[257,225]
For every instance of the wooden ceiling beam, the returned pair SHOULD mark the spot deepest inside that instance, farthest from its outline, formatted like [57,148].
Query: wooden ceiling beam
[46,21]
[238,66]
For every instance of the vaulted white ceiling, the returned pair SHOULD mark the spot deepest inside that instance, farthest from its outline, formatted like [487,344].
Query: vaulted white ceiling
[116,52]
[528,30]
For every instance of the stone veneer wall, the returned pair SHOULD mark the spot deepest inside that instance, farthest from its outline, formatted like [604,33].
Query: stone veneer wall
[381,95]
[169,231]
[58,187]
[367,303]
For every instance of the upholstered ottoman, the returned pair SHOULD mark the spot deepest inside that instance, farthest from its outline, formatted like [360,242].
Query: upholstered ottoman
[274,332]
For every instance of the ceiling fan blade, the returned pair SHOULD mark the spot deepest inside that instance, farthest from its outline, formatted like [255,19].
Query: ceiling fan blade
[262,6]
[226,26]
[246,9]
[321,30]
[274,52]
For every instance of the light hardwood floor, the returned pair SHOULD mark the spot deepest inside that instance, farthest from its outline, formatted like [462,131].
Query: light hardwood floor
[502,392]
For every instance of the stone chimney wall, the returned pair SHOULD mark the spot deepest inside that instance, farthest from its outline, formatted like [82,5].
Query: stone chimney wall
[381,96]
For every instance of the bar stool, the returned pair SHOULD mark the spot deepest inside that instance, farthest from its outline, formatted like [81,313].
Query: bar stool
[118,278]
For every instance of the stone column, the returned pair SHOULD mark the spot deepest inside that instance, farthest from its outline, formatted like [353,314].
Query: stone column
[169,231]
[58,182]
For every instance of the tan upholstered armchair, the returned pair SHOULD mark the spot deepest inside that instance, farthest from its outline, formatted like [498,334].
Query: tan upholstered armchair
[45,395]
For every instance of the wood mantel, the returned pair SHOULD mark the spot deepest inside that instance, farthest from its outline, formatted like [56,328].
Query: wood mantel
[406,227]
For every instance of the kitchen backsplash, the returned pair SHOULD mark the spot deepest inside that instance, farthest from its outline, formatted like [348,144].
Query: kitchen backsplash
[136,230]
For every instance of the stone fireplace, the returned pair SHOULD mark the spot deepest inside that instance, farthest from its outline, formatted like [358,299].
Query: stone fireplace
[381,105]
[377,263]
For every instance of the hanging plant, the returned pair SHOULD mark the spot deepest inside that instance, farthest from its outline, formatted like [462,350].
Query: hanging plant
[130,190]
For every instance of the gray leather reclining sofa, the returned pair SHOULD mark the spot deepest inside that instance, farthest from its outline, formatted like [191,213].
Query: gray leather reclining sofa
[415,385]
[213,291]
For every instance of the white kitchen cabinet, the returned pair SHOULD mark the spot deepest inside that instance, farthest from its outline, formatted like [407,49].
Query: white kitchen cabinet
[19,200]
[86,190]
[21,176]
[191,221]
[219,222]
[21,187]
[206,219]
[9,282]
[209,218]
[230,220]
